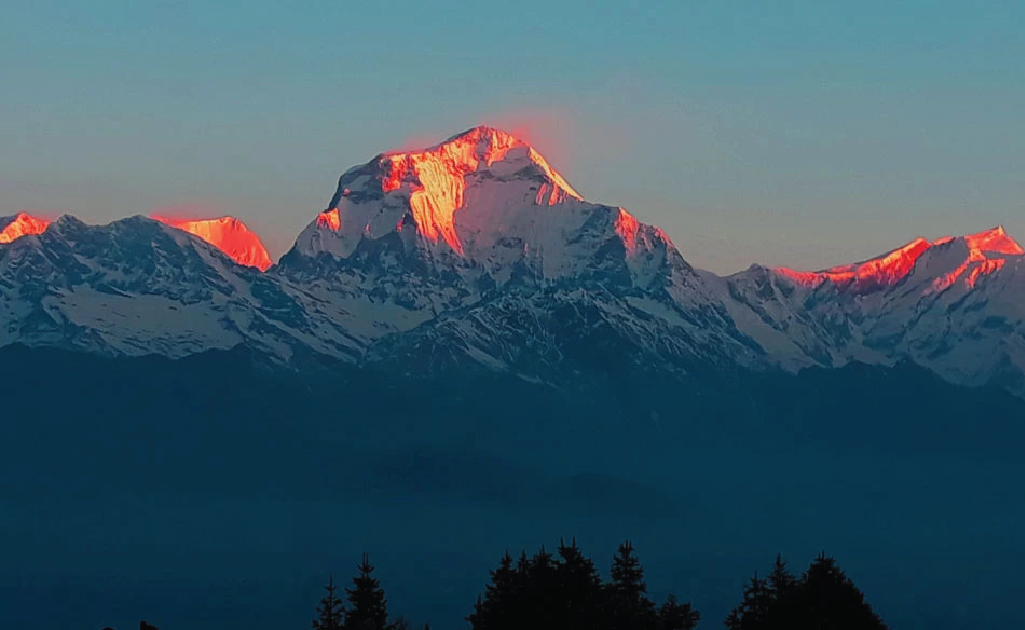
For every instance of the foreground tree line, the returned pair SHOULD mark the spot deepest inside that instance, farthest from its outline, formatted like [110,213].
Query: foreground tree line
[564,591]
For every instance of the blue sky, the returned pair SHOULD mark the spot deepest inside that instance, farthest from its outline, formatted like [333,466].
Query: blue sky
[801,133]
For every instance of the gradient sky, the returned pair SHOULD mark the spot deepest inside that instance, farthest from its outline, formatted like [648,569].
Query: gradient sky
[803,134]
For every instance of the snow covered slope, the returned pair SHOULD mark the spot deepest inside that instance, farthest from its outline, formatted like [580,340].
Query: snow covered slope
[954,305]
[135,287]
[428,245]
[476,255]
[450,250]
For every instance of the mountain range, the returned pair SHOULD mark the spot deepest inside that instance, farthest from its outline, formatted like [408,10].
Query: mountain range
[460,353]
[475,254]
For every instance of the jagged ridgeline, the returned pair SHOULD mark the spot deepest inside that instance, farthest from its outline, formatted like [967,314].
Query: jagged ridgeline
[476,256]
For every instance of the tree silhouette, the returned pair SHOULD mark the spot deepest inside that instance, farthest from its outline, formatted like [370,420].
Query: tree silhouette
[673,615]
[781,581]
[564,591]
[547,592]
[629,606]
[367,606]
[541,595]
[579,587]
[517,597]
[782,595]
[757,600]
[499,601]
[822,598]
[828,599]
[735,619]
[331,611]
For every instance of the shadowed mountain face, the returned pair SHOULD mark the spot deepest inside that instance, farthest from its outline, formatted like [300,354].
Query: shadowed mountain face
[185,486]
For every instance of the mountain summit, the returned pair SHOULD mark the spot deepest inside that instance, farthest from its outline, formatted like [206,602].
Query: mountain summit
[482,197]
[483,226]
[228,234]
[953,304]
[446,195]
[983,254]
[21,225]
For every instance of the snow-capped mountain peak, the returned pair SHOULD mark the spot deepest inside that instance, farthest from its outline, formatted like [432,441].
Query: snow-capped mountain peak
[481,223]
[996,240]
[976,255]
[476,254]
[21,225]
[952,304]
[487,206]
[444,195]
[138,286]
[478,149]
[450,247]
[886,270]
[228,234]
[967,257]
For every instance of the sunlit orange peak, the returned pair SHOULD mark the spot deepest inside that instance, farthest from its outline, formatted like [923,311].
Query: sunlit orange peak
[436,178]
[229,235]
[21,225]
[996,240]
[884,271]
[980,261]
[464,153]
[890,269]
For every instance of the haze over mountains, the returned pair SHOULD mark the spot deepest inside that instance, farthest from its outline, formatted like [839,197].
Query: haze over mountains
[475,254]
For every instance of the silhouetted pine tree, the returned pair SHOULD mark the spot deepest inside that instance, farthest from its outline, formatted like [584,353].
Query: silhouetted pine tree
[523,567]
[541,594]
[735,619]
[673,615]
[629,607]
[828,599]
[520,597]
[823,598]
[580,589]
[545,593]
[499,602]
[782,594]
[781,580]
[330,612]
[367,606]
[479,617]
[757,600]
